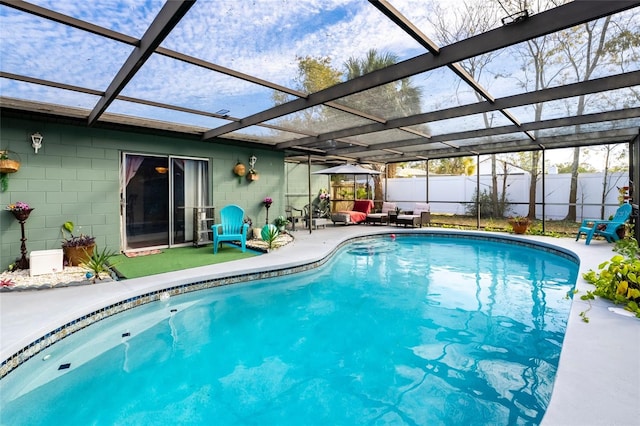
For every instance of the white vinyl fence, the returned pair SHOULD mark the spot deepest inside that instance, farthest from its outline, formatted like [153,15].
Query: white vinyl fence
[451,194]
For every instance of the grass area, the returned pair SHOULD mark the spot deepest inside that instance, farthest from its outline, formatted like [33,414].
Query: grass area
[552,227]
[175,259]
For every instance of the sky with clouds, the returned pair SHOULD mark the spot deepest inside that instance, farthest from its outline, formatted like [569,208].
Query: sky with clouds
[263,38]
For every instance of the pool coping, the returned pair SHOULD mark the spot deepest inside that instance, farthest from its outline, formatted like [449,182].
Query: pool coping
[600,358]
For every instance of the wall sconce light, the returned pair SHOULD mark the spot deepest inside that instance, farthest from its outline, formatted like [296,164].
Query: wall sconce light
[36,141]
[162,170]
[253,173]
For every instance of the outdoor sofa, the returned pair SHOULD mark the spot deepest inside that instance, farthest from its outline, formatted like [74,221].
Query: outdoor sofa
[358,214]
[420,215]
[383,216]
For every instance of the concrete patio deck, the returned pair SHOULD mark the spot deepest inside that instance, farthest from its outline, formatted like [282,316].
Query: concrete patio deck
[599,373]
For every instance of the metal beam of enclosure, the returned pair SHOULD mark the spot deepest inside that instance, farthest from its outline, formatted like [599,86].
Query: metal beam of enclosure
[161,26]
[563,17]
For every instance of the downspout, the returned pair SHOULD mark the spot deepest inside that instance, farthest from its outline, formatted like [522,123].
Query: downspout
[310,209]
[544,192]
[426,176]
[386,182]
[478,191]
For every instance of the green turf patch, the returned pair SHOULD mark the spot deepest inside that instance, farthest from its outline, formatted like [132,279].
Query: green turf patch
[176,259]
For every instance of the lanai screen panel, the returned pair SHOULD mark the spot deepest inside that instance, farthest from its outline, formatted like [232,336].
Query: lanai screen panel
[52,95]
[46,50]
[319,119]
[174,82]
[599,102]
[265,38]
[150,112]
[127,17]
[262,134]
[468,123]
[372,139]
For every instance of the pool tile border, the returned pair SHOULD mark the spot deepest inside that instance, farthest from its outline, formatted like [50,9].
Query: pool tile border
[78,324]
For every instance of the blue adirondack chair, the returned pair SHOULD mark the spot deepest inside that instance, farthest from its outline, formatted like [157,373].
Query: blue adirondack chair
[606,228]
[232,227]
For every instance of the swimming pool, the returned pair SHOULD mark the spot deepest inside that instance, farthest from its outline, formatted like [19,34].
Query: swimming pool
[414,330]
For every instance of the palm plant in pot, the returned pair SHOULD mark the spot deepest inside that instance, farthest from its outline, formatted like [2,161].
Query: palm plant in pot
[100,262]
[77,249]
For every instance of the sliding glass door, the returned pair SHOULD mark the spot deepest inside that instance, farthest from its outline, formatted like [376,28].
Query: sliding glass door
[190,190]
[158,197]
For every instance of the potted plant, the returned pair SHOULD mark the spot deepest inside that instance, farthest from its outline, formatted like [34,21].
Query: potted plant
[253,175]
[281,222]
[21,212]
[77,249]
[267,203]
[520,224]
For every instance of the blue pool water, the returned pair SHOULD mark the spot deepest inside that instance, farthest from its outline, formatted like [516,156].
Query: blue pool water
[417,330]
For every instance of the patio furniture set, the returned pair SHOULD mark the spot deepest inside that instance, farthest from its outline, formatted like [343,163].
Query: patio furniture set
[389,214]
[361,212]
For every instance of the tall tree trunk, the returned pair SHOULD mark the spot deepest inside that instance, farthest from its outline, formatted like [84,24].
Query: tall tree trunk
[605,181]
[584,61]
[573,189]
[377,183]
[391,170]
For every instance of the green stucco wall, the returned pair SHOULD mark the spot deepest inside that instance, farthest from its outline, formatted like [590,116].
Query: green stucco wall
[297,183]
[75,177]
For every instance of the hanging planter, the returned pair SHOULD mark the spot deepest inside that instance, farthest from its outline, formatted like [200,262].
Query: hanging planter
[240,169]
[8,162]
[9,166]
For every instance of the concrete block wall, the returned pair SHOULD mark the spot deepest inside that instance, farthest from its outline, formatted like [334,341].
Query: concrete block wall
[297,183]
[76,177]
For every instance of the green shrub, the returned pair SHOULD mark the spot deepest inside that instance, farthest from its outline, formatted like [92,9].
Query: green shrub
[618,279]
[488,209]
